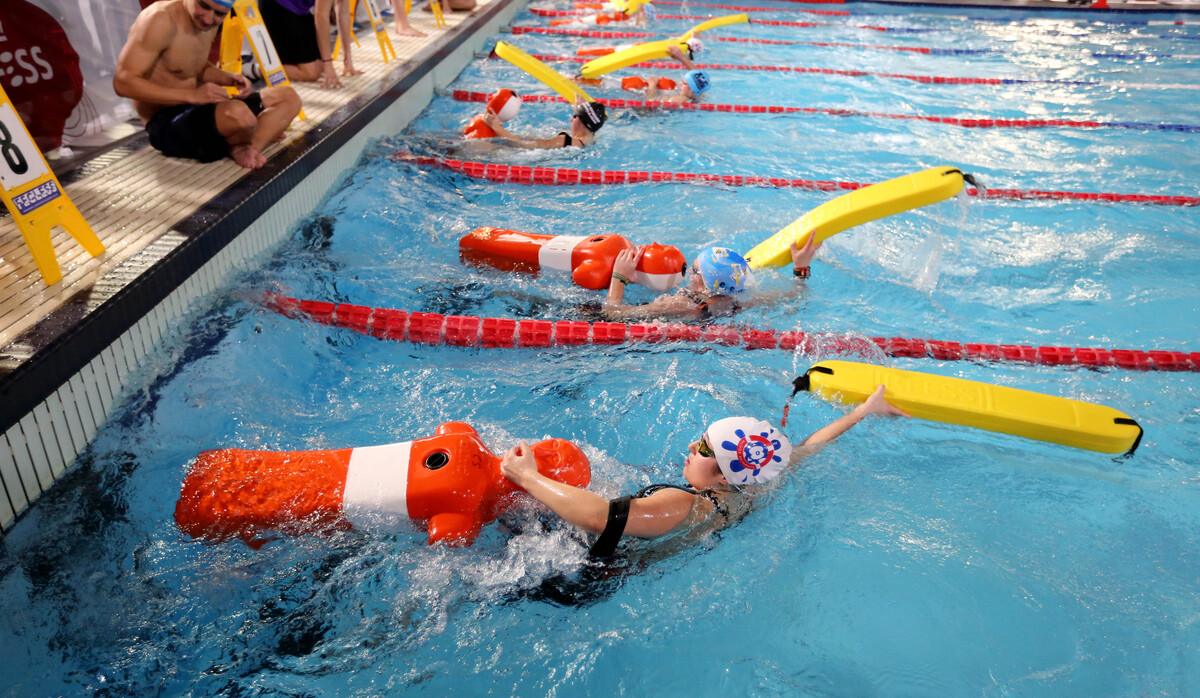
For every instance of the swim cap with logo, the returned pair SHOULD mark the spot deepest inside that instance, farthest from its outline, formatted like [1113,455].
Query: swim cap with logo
[223,3]
[592,114]
[695,46]
[698,81]
[749,451]
[724,271]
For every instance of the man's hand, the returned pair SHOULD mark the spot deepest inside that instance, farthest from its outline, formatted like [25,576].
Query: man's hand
[329,80]
[209,93]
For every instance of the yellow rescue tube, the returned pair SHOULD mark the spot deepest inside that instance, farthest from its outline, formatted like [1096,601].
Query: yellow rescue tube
[858,207]
[544,73]
[649,51]
[714,23]
[981,405]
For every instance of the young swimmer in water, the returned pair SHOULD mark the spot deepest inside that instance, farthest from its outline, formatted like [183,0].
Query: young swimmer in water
[694,83]
[717,286]
[722,469]
[585,122]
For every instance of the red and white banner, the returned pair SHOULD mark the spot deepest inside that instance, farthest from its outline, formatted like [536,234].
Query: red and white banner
[57,59]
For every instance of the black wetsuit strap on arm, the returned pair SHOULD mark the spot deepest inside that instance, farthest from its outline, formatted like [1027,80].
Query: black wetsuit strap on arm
[618,515]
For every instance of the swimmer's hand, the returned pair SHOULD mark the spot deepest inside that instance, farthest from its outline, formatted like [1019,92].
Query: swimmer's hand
[876,404]
[627,261]
[802,256]
[518,465]
[675,52]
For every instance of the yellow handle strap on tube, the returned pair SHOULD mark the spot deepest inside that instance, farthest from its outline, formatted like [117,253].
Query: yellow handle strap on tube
[858,207]
[714,23]
[542,72]
[981,405]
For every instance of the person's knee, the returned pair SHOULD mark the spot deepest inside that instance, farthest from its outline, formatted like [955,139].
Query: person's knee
[235,120]
[284,97]
[305,72]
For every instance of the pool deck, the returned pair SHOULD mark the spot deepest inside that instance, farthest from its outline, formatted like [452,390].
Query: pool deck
[173,230]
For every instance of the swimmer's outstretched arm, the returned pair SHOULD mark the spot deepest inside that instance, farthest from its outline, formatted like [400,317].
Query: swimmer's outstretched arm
[872,405]
[678,54]
[648,517]
[551,143]
[802,256]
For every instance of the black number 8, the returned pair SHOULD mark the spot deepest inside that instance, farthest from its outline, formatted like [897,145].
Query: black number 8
[12,154]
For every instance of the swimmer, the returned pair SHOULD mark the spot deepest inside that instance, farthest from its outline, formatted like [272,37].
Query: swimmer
[181,97]
[720,279]
[661,89]
[724,469]
[694,83]
[587,119]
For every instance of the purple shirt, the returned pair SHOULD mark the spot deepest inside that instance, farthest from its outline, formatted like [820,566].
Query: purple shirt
[297,7]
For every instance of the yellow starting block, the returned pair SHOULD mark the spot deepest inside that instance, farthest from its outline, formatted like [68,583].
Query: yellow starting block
[435,6]
[245,22]
[35,197]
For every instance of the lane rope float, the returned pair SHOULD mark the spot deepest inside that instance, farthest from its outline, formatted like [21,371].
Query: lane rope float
[464,96]
[926,50]
[510,333]
[514,174]
[923,79]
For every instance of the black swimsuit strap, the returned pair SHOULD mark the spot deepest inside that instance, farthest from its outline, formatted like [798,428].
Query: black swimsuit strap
[707,494]
[566,139]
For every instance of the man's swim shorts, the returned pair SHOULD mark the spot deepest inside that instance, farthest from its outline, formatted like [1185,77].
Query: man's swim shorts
[190,130]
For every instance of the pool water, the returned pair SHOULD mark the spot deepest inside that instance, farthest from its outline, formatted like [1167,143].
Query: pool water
[906,558]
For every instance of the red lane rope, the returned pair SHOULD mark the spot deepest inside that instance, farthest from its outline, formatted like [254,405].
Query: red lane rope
[765,22]
[464,96]
[514,174]
[505,333]
[926,79]
[739,8]
[599,34]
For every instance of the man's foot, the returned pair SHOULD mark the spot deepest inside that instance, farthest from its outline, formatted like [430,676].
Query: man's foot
[408,31]
[247,157]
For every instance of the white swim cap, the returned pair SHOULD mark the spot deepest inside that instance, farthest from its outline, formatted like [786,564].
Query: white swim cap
[695,46]
[749,451]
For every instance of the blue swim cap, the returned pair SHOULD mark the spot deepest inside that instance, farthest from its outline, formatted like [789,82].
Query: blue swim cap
[724,271]
[698,81]
[224,3]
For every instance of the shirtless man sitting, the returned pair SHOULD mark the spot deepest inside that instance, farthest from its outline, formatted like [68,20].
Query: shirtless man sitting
[181,97]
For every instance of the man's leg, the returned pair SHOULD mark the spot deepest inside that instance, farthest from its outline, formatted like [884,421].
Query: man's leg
[237,125]
[305,72]
[281,105]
